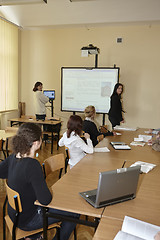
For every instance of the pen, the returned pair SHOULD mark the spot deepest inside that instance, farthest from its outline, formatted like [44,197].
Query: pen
[123,163]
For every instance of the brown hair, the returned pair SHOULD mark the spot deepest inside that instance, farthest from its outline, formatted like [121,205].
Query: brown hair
[89,111]
[36,86]
[26,135]
[74,124]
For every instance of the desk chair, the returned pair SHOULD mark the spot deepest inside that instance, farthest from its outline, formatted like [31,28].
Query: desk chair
[52,164]
[48,131]
[14,200]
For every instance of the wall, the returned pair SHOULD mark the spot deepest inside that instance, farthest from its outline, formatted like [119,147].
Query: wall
[44,52]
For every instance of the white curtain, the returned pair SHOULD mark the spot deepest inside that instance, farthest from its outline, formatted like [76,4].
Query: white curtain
[8,66]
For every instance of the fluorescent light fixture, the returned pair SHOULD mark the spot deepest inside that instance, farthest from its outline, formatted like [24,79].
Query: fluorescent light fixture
[19,2]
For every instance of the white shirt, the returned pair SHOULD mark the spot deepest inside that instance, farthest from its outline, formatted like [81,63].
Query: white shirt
[77,147]
[40,100]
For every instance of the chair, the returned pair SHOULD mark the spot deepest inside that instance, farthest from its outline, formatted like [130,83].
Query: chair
[48,131]
[52,164]
[14,200]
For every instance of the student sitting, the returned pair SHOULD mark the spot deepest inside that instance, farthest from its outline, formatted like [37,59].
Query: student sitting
[72,140]
[90,127]
[24,174]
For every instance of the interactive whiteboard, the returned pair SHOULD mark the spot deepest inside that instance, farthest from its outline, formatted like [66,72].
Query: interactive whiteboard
[81,87]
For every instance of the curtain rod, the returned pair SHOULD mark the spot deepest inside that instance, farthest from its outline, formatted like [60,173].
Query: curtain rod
[4,19]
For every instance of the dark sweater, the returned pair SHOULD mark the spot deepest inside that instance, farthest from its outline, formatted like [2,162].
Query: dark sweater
[116,108]
[91,128]
[26,177]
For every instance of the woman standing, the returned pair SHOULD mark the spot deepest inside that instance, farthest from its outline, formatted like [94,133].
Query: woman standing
[90,127]
[24,174]
[115,112]
[72,139]
[40,100]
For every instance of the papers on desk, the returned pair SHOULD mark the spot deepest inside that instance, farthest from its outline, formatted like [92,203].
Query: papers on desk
[103,149]
[141,144]
[133,229]
[145,167]
[144,138]
[125,128]
[120,146]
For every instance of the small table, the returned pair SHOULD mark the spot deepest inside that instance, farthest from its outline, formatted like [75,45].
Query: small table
[51,123]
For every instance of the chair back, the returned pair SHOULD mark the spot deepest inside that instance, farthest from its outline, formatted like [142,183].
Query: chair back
[53,163]
[12,196]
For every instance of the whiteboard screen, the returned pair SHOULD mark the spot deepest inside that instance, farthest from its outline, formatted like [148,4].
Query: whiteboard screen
[81,87]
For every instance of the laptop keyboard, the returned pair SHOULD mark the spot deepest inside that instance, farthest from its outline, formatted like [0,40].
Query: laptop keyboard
[92,198]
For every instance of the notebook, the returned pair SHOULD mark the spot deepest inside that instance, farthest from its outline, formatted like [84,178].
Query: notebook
[120,146]
[114,187]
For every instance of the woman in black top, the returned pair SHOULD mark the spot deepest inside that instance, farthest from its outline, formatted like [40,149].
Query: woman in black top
[115,112]
[24,174]
[90,127]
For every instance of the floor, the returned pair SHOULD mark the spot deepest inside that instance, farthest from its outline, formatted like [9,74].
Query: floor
[83,232]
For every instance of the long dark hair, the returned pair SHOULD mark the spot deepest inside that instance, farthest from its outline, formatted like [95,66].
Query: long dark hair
[74,124]
[26,135]
[36,85]
[115,89]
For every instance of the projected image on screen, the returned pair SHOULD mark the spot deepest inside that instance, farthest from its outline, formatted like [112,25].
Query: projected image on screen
[81,87]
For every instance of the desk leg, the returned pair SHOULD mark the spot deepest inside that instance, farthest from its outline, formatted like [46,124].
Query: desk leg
[3,149]
[45,223]
[52,143]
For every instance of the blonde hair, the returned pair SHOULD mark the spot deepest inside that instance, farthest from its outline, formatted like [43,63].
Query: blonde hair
[89,111]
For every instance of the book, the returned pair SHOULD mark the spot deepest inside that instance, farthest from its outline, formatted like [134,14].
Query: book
[117,127]
[134,229]
[120,146]
[102,149]
[145,167]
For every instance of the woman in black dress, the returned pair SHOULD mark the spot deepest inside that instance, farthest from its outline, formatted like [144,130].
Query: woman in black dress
[115,112]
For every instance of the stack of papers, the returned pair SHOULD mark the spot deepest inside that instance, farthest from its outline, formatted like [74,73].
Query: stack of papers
[133,229]
[144,138]
[125,128]
[103,149]
[145,167]
[141,144]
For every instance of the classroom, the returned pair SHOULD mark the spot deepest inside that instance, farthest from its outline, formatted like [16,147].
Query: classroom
[50,36]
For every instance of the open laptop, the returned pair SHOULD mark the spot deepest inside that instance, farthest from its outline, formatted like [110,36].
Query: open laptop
[114,187]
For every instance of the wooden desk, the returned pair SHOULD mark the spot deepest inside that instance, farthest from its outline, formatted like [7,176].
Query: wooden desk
[4,135]
[137,153]
[107,229]
[52,123]
[84,176]
[146,205]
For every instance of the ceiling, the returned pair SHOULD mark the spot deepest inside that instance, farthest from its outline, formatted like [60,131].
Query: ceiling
[57,13]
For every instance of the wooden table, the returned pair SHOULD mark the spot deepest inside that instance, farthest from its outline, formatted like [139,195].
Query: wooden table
[146,205]
[4,136]
[51,123]
[107,229]
[84,176]
[137,153]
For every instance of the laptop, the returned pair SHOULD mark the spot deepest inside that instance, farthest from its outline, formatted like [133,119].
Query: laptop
[114,187]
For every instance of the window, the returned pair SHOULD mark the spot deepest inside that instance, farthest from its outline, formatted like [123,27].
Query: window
[8,66]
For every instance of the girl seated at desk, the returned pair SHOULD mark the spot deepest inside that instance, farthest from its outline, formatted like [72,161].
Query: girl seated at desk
[90,127]
[73,141]
[24,174]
